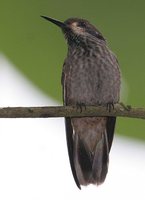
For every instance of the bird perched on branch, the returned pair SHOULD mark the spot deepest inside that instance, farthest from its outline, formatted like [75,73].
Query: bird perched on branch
[90,76]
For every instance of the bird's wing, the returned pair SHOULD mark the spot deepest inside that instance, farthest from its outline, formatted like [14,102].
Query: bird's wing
[69,131]
[110,126]
[70,143]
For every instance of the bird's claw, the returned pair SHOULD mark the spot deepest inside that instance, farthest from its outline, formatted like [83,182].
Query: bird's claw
[80,106]
[110,106]
[125,107]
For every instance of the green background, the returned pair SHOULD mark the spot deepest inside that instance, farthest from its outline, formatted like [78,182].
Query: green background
[37,48]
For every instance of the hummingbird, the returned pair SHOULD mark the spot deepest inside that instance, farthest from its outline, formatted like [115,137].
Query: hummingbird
[90,77]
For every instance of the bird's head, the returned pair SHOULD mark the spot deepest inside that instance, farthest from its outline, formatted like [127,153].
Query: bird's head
[77,30]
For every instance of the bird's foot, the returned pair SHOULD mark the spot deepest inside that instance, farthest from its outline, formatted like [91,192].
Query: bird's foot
[80,106]
[125,107]
[110,106]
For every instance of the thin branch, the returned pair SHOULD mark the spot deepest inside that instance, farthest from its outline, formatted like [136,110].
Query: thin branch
[71,111]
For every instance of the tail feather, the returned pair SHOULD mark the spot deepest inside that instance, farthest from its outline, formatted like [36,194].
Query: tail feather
[100,161]
[91,168]
[89,144]
[82,160]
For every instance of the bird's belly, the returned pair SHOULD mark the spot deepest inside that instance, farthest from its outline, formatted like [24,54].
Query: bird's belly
[92,91]
[81,93]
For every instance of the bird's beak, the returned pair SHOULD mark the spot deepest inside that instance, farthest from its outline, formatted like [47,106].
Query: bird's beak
[54,21]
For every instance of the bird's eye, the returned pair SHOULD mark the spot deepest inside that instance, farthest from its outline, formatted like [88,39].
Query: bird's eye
[82,24]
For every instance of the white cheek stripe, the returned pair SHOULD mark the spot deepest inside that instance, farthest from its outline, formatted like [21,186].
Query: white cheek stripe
[76,29]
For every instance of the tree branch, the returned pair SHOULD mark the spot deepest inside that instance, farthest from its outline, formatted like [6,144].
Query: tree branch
[71,111]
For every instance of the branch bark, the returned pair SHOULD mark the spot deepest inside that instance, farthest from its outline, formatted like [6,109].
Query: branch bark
[71,111]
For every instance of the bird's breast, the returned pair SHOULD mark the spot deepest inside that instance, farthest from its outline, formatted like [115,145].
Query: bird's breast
[91,79]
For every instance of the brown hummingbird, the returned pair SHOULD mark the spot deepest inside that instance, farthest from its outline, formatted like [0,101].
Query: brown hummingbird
[91,77]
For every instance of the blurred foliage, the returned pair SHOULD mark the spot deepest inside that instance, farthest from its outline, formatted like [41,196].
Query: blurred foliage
[38,48]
